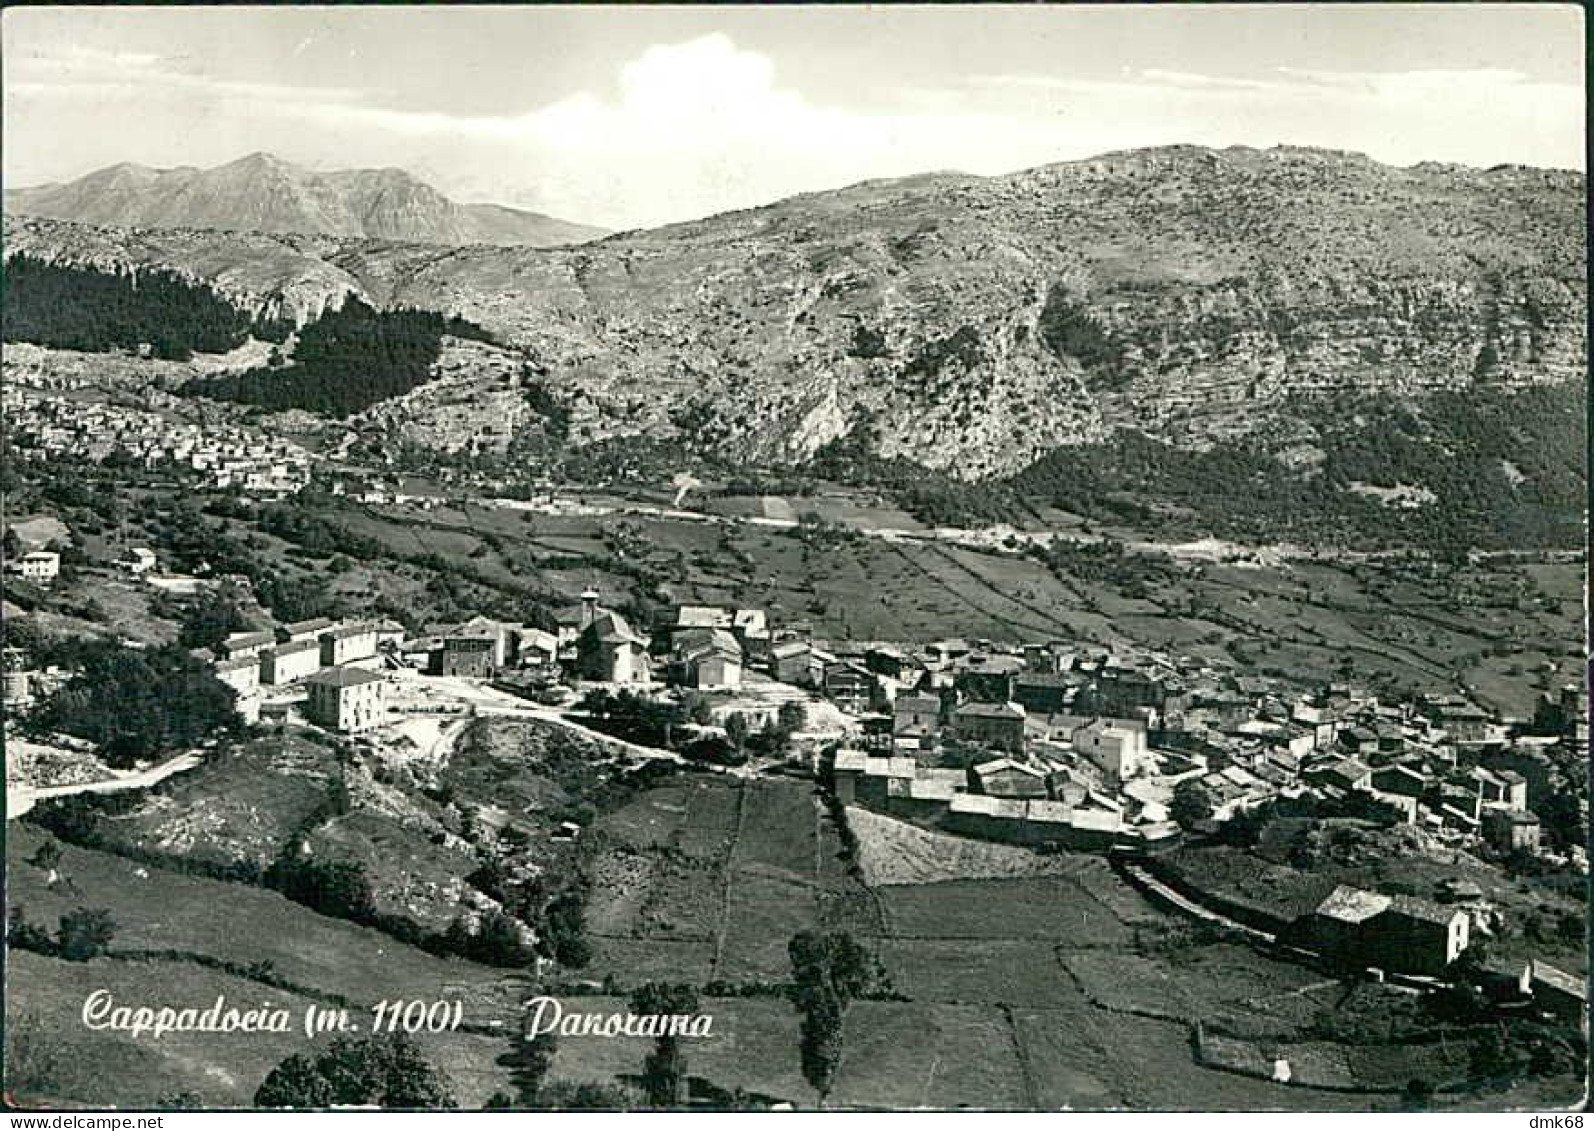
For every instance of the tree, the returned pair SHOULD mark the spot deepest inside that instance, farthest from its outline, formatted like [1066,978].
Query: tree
[530,1062]
[1570,927]
[1494,1061]
[340,888]
[48,856]
[1562,815]
[829,970]
[345,361]
[563,1095]
[23,935]
[664,1071]
[137,703]
[736,730]
[296,1082]
[1418,1095]
[792,717]
[85,933]
[408,1080]
[565,928]
[496,941]
[696,708]
[180,1101]
[1191,804]
[386,1071]
[210,618]
[84,308]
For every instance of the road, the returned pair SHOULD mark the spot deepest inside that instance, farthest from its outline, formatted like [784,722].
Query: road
[21,798]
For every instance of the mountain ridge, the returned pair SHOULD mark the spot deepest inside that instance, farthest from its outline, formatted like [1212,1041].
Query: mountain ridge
[263,192]
[974,323]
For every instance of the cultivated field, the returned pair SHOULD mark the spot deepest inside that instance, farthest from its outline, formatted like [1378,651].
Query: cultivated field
[1507,630]
[1060,987]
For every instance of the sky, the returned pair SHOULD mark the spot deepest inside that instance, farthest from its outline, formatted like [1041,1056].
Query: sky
[632,117]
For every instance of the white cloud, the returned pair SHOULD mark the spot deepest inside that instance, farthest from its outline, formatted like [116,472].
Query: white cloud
[74,70]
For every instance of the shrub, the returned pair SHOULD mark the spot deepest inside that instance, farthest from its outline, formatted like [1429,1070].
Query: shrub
[85,934]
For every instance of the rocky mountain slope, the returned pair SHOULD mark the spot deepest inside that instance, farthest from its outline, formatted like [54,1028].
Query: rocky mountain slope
[263,193]
[975,323]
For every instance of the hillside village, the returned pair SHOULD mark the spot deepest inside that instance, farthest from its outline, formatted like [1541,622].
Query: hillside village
[45,426]
[1015,564]
[1055,745]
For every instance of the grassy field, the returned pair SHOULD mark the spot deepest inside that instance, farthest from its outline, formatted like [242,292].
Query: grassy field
[1051,909]
[1025,991]
[1385,866]
[1052,989]
[160,911]
[727,868]
[242,804]
[112,1069]
[156,909]
[1085,1058]
[752,1045]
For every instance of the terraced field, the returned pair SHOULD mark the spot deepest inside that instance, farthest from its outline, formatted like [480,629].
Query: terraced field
[1024,989]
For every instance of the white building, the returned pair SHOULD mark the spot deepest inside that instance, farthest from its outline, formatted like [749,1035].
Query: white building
[246,645]
[346,699]
[347,645]
[1116,747]
[302,630]
[289,662]
[241,674]
[38,565]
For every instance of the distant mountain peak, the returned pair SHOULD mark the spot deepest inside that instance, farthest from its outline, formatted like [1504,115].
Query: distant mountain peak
[264,192]
[262,157]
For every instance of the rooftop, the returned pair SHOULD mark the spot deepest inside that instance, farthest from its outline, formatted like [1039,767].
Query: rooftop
[990,711]
[1352,905]
[1427,911]
[1558,979]
[701,616]
[348,631]
[612,628]
[1003,765]
[851,760]
[344,677]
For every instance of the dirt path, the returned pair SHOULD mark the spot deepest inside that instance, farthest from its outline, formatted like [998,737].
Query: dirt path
[727,877]
[1026,1069]
[1144,879]
[21,798]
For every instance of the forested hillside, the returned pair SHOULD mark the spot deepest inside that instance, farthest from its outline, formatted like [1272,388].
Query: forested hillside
[83,308]
[1488,469]
[345,361]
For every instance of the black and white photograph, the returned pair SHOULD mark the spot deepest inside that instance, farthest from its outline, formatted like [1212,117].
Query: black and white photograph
[794,558]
